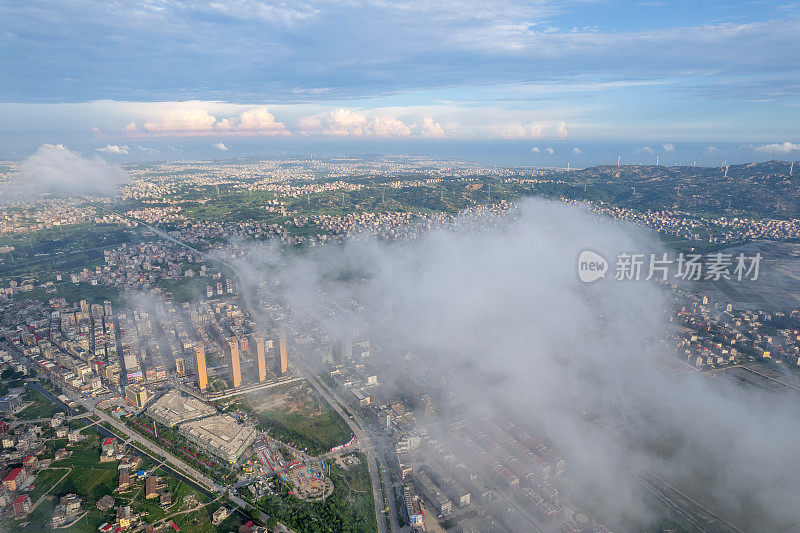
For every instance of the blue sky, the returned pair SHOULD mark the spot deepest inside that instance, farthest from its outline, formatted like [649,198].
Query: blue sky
[118,73]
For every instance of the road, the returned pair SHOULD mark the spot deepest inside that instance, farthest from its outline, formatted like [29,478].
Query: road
[375,462]
[207,483]
[363,441]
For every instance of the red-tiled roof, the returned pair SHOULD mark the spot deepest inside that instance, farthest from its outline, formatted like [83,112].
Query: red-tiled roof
[13,474]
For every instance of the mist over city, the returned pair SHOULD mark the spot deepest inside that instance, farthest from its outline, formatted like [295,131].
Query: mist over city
[399,266]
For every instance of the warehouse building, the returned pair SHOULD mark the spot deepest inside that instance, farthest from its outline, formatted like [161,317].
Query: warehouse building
[173,408]
[220,436]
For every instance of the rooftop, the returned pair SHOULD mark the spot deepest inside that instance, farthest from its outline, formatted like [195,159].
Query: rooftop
[222,433]
[173,408]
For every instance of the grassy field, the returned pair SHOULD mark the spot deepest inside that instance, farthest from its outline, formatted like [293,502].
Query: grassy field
[88,478]
[60,249]
[184,289]
[350,509]
[82,473]
[296,413]
[41,407]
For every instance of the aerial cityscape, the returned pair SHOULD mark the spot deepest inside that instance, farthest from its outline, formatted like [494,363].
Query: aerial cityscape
[399,267]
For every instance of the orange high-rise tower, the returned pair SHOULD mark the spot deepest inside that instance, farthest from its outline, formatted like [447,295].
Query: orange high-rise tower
[200,367]
[236,371]
[283,363]
[261,359]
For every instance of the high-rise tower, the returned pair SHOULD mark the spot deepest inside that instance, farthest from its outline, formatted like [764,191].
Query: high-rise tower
[282,359]
[200,366]
[261,358]
[236,371]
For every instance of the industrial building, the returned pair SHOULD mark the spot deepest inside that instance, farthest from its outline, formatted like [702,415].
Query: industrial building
[173,408]
[220,436]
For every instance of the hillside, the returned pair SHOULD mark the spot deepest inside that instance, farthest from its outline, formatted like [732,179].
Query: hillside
[755,189]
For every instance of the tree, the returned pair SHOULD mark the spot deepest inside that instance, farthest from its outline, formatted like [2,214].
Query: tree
[272,523]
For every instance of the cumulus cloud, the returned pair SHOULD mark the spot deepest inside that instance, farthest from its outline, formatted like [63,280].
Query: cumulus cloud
[198,121]
[184,121]
[350,123]
[668,147]
[778,148]
[114,149]
[220,146]
[577,151]
[430,128]
[56,171]
[712,149]
[258,121]
[647,149]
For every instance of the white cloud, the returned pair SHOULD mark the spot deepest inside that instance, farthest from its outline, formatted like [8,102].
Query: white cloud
[114,149]
[57,171]
[257,121]
[668,147]
[184,121]
[529,130]
[277,13]
[540,150]
[350,123]
[712,149]
[429,128]
[220,146]
[647,149]
[576,151]
[192,120]
[778,148]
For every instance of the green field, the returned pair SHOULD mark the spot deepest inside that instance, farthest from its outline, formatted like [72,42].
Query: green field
[296,413]
[88,478]
[350,509]
[41,407]
[61,249]
[184,289]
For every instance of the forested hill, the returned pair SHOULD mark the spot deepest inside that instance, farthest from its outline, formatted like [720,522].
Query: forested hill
[756,189]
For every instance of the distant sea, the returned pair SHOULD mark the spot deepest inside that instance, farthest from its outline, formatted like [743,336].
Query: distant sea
[526,153]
